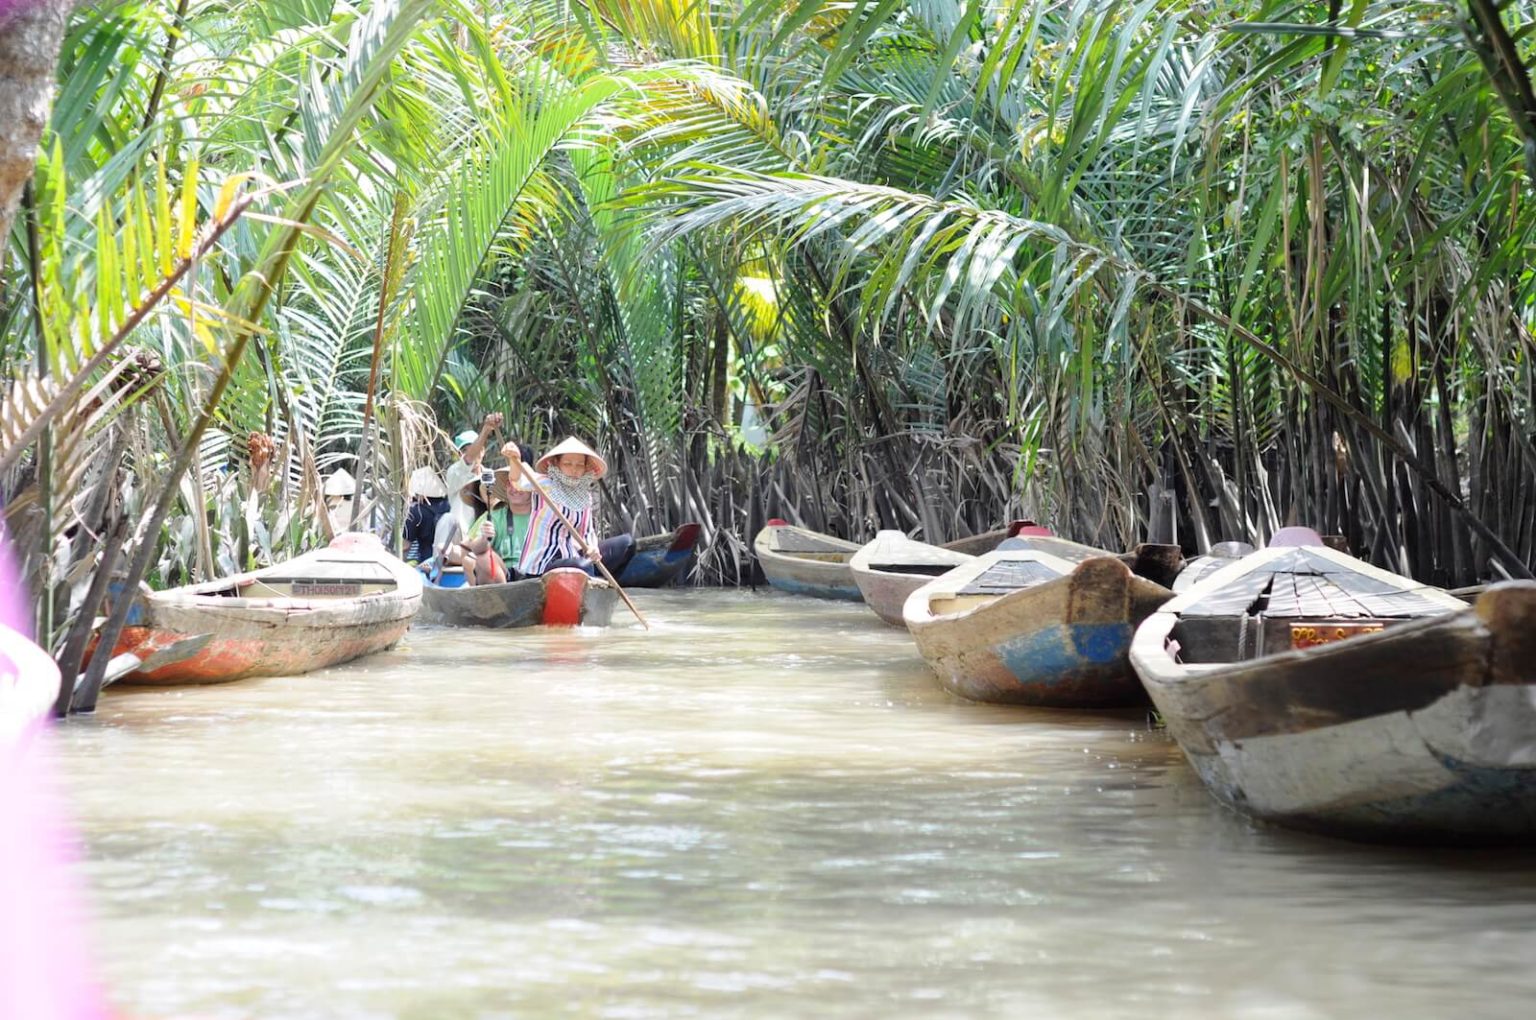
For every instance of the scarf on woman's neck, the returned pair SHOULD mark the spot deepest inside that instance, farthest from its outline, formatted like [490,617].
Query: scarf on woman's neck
[570,493]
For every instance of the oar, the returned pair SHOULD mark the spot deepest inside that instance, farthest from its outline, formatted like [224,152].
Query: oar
[528,473]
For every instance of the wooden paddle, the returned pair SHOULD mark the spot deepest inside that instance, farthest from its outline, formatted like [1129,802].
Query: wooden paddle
[534,480]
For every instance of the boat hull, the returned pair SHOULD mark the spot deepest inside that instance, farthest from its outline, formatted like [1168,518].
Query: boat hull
[563,597]
[821,571]
[886,593]
[890,568]
[659,560]
[1059,644]
[1423,732]
[251,647]
[275,636]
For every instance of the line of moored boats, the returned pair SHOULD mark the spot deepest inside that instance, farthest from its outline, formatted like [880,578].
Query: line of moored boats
[1306,687]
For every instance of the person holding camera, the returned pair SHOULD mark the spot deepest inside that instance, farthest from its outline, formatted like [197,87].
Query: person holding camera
[465,534]
[468,468]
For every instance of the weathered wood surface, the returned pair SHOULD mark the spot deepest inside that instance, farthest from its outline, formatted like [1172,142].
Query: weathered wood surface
[1026,627]
[805,562]
[262,632]
[659,560]
[988,541]
[1222,554]
[893,566]
[1422,730]
[524,603]
[29,683]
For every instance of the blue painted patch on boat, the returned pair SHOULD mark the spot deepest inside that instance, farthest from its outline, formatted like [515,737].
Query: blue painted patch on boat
[817,591]
[1102,642]
[135,618]
[1061,651]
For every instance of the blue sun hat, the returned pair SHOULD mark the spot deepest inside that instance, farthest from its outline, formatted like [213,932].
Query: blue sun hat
[464,438]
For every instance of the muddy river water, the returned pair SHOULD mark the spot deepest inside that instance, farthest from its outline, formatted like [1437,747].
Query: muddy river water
[765,807]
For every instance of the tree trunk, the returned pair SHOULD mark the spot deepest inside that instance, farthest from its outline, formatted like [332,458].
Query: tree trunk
[30,34]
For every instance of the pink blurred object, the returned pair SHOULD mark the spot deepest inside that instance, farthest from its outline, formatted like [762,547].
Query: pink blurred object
[44,974]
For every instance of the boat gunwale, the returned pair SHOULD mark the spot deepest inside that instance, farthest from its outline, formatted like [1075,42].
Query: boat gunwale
[950,583]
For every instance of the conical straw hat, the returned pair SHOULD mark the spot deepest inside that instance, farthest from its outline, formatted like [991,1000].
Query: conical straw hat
[426,482]
[596,465]
[340,483]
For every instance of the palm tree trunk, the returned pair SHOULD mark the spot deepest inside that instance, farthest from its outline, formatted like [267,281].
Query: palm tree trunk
[30,34]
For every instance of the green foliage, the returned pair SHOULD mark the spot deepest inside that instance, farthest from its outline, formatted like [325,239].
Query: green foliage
[965,258]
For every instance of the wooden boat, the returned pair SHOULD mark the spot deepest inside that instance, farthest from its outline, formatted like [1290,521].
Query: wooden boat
[328,606]
[805,562]
[1159,564]
[1222,554]
[563,597]
[1026,627]
[1313,690]
[893,566]
[29,683]
[661,559]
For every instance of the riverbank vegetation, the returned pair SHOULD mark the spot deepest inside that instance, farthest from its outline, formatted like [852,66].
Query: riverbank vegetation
[1191,269]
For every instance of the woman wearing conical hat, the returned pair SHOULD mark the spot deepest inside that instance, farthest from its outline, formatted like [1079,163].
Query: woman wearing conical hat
[568,475]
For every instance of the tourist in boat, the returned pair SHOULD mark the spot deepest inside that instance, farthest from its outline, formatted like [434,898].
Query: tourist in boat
[474,554]
[467,467]
[511,512]
[567,477]
[429,503]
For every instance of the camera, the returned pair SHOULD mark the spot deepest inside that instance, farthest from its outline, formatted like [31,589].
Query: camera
[487,477]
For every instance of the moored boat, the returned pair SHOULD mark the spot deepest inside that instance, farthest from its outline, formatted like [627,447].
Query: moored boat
[1026,627]
[661,559]
[29,683]
[893,566]
[315,610]
[805,562]
[1316,691]
[563,597]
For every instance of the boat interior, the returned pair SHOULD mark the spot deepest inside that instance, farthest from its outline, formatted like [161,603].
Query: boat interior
[923,569]
[999,578]
[313,580]
[1297,602]
[806,546]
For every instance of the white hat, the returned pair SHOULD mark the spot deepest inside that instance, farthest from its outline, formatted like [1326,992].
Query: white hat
[596,464]
[340,484]
[426,482]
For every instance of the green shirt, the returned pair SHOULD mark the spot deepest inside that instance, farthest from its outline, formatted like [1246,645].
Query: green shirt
[509,538]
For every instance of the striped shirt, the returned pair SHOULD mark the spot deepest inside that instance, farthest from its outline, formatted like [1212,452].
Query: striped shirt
[550,540]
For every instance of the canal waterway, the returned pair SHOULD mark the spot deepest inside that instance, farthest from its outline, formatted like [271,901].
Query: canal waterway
[765,807]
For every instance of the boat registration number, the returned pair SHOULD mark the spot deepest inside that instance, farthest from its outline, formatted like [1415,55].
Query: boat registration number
[1310,635]
[326,588]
